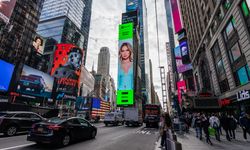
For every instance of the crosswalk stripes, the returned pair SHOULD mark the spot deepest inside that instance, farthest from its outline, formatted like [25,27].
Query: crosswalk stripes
[146,131]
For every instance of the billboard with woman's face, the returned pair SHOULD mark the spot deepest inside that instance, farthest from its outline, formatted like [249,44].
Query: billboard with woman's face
[34,82]
[125,65]
[38,44]
[6,8]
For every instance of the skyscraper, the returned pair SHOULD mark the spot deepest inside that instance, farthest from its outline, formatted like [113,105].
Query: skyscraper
[66,21]
[103,61]
[17,34]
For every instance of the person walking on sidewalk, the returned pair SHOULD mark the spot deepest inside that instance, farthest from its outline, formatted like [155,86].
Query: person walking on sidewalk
[215,123]
[198,126]
[245,124]
[232,126]
[225,125]
[205,125]
[167,124]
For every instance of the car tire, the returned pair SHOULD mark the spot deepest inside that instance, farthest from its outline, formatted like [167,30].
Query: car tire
[11,130]
[93,134]
[65,140]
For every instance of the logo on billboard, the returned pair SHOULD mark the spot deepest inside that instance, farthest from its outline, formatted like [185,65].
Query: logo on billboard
[6,9]
[67,68]
[242,95]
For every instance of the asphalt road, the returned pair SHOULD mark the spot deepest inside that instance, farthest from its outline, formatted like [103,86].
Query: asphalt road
[108,138]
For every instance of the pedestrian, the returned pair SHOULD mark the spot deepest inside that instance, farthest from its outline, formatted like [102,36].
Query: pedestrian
[198,126]
[219,116]
[215,123]
[166,124]
[232,126]
[205,125]
[225,125]
[245,124]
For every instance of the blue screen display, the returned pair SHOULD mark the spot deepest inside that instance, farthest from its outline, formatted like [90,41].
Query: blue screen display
[7,70]
[96,103]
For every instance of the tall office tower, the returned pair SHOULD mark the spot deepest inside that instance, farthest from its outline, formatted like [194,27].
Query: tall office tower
[170,47]
[140,7]
[218,35]
[103,61]
[18,23]
[66,21]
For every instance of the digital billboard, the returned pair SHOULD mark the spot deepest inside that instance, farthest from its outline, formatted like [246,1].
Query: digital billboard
[176,16]
[130,17]
[38,44]
[125,85]
[7,70]
[178,58]
[184,52]
[131,5]
[6,9]
[67,69]
[96,103]
[34,82]
[83,103]
[181,86]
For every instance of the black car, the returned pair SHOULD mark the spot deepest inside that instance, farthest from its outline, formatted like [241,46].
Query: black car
[12,122]
[61,131]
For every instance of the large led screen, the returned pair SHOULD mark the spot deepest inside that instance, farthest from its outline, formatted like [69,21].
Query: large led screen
[67,69]
[125,65]
[176,16]
[184,52]
[5,75]
[178,58]
[38,44]
[131,5]
[181,86]
[34,82]
[6,9]
[96,103]
[83,103]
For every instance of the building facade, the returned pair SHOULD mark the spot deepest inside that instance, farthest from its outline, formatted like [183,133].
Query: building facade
[103,61]
[87,82]
[66,21]
[17,35]
[218,35]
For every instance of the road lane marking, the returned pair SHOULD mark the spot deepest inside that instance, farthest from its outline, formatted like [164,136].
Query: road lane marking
[18,146]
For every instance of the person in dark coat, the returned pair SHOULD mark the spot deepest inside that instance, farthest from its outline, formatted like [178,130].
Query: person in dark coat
[198,126]
[225,125]
[205,125]
[245,124]
[232,126]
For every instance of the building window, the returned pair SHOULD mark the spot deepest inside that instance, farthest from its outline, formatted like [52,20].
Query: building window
[224,86]
[234,52]
[242,75]
[229,30]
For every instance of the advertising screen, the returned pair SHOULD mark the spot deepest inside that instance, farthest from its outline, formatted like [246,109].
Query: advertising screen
[185,52]
[6,9]
[67,69]
[125,65]
[83,103]
[178,58]
[96,103]
[176,16]
[130,17]
[5,76]
[181,85]
[131,5]
[34,82]
[38,44]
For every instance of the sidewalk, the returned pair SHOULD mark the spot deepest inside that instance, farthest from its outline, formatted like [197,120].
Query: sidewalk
[190,142]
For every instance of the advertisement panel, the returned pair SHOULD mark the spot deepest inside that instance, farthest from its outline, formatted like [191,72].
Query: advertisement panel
[130,17]
[6,9]
[131,5]
[38,44]
[184,52]
[178,58]
[34,82]
[176,16]
[67,69]
[83,103]
[125,85]
[7,70]
[181,86]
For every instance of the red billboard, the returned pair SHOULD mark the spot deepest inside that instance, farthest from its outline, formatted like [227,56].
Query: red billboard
[6,9]
[181,86]
[67,68]
[176,15]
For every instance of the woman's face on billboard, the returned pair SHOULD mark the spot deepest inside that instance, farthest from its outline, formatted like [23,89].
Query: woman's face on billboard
[125,53]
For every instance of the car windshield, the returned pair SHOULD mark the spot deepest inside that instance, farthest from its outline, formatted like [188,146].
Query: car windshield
[56,120]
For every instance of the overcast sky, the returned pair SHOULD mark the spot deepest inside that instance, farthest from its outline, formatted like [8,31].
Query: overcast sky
[106,16]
